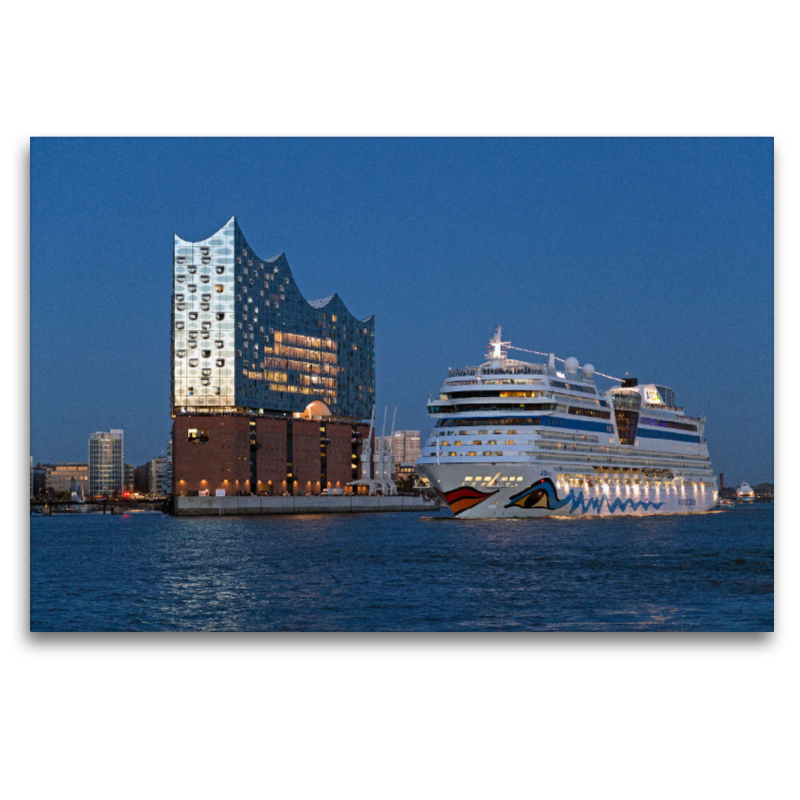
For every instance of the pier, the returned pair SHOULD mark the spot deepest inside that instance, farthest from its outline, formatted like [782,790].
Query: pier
[313,504]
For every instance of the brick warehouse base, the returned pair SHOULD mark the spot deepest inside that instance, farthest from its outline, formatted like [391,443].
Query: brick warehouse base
[243,454]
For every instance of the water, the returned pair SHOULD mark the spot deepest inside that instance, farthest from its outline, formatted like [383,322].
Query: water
[402,572]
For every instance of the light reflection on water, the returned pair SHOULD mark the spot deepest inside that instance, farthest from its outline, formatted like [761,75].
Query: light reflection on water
[401,572]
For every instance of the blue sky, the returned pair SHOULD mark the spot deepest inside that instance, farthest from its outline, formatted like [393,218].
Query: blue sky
[647,256]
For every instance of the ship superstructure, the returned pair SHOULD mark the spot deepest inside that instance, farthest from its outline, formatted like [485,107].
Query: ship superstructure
[520,439]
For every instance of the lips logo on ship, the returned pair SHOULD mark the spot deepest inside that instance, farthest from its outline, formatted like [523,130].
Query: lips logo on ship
[463,498]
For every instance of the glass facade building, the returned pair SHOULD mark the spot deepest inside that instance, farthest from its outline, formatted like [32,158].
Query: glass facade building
[106,463]
[244,339]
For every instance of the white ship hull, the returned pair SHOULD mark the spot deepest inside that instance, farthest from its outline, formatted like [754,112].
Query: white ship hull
[514,439]
[497,492]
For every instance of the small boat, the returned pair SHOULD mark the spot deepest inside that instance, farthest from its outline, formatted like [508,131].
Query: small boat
[745,493]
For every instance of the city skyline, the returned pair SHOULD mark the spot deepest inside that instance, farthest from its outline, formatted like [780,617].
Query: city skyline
[652,257]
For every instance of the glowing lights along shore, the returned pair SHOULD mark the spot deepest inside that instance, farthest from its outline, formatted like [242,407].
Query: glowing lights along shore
[520,439]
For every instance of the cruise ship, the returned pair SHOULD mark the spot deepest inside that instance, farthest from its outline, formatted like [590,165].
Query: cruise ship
[519,439]
[745,493]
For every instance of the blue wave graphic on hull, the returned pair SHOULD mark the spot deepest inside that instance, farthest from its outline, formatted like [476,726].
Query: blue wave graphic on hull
[542,494]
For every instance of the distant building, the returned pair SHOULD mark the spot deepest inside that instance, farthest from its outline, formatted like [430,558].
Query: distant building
[166,483]
[269,390]
[107,463]
[67,477]
[149,477]
[39,479]
[405,448]
[128,482]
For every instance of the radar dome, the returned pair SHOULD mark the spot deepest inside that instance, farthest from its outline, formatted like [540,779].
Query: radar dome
[571,364]
[588,370]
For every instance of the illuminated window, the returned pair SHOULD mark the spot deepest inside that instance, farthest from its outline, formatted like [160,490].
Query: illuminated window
[218,288]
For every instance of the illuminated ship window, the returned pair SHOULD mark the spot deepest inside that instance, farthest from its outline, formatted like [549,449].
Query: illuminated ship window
[221,315]
[220,269]
[218,288]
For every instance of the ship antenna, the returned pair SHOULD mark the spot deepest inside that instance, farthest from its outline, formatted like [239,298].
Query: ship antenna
[498,347]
